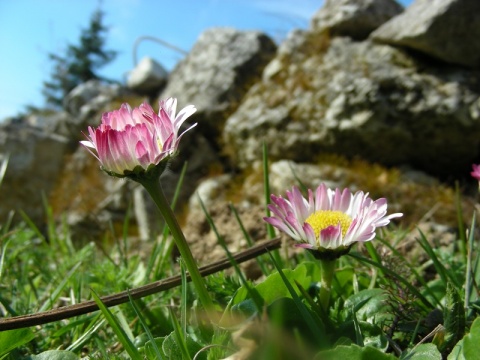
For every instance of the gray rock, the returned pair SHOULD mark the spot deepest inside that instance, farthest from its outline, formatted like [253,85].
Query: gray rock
[360,99]
[448,30]
[92,93]
[218,71]
[147,77]
[85,104]
[81,95]
[36,159]
[354,18]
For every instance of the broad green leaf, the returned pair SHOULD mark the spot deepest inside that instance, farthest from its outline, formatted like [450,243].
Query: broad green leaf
[372,335]
[55,355]
[150,348]
[368,305]
[10,340]
[173,352]
[424,352]
[354,352]
[457,352]
[471,342]
[273,287]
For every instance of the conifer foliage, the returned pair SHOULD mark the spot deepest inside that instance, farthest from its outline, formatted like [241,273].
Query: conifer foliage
[80,63]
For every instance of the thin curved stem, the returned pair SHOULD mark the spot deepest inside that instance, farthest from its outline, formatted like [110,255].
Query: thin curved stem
[69,311]
[153,187]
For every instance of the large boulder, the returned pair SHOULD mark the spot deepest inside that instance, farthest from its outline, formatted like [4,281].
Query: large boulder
[86,101]
[147,77]
[447,30]
[36,159]
[354,18]
[359,99]
[223,64]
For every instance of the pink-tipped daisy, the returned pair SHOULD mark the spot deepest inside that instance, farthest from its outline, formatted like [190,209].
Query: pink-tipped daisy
[328,222]
[132,142]
[476,171]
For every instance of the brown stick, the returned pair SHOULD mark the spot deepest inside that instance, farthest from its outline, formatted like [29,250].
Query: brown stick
[67,312]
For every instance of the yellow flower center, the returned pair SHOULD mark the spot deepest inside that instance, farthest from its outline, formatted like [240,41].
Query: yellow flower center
[322,219]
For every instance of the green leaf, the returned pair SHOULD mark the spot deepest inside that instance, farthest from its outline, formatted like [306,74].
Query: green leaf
[273,287]
[371,334]
[317,328]
[55,355]
[12,339]
[151,348]
[354,352]
[173,351]
[471,342]
[368,305]
[424,352]
[457,352]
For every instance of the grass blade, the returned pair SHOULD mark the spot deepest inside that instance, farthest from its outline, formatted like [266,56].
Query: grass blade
[419,278]
[32,225]
[251,291]
[468,275]
[2,256]
[86,335]
[266,189]
[3,168]
[312,323]
[301,184]
[444,274]
[247,237]
[179,338]
[461,226]
[121,335]
[184,298]
[400,278]
[145,327]
[59,289]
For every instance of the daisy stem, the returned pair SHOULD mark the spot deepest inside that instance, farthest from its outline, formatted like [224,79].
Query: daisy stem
[154,188]
[328,270]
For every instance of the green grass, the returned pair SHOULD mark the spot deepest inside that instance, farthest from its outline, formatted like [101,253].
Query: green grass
[394,314]
[384,303]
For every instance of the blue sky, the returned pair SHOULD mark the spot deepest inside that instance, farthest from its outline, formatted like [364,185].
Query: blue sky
[30,29]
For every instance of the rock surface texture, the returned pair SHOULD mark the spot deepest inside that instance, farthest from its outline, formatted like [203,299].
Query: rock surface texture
[147,77]
[406,96]
[222,65]
[447,30]
[335,95]
[354,18]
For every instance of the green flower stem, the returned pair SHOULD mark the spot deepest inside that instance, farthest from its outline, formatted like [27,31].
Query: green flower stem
[153,187]
[328,270]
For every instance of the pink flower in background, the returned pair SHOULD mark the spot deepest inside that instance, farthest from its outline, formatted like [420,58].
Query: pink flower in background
[132,141]
[476,171]
[329,221]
